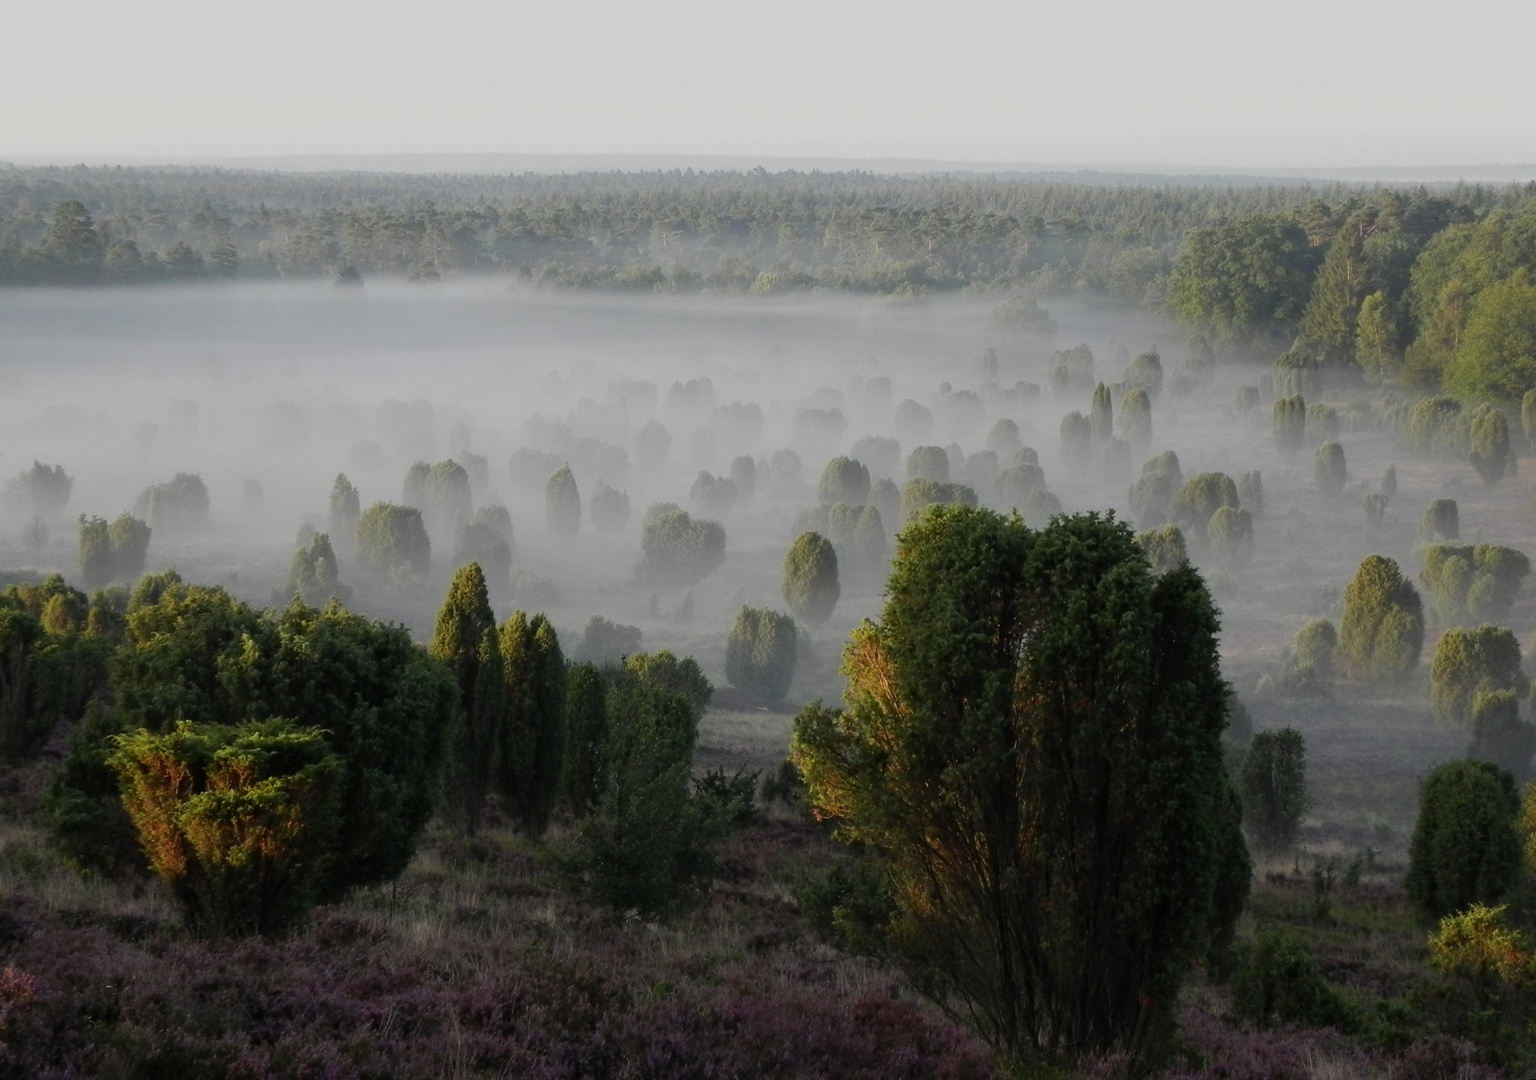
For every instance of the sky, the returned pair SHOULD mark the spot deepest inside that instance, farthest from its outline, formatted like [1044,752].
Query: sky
[1191,82]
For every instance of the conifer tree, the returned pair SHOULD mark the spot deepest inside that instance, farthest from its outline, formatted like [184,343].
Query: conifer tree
[1101,414]
[534,734]
[562,504]
[810,582]
[464,639]
[1465,848]
[587,705]
[1382,632]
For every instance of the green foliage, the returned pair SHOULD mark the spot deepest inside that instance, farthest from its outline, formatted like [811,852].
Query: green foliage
[679,550]
[713,494]
[1200,497]
[810,582]
[392,542]
[1329,471]
[345,508]
[1528,414]
[1465,848]
[477,541]
[1151,496]
[857,533]
[562,503]
[1490,455]
[1250,493]
[609,509]
[1249,277]
[1136,418]
[42,490]
[1230,536]
[1113,802]
[177,504]
[1101,414]
[760,653]
[1438,427]
[1473,585]
[1376,338]
[1497,354]
[928,463]
[534,729]
[1382,632]
[114,552]
[1164,548]
[1315,646]
[241,822]
[1468,663]
[1281,983]
[1145,373]
[312,575]
[666,671]
[1489,973]
[1499,735]
[918,495]
[845,480]
[464,641]
[1288,424]
[1077,442]
[1275,788]
[607,642]
[1017,483]
[583,775]
[730,799]
[1441,521]
[1374,503]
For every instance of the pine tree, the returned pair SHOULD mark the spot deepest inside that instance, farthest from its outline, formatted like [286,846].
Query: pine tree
[810,582]
[465,640]
[534,734]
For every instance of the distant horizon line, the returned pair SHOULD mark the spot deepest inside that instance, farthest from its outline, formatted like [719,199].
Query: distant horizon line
[500,163]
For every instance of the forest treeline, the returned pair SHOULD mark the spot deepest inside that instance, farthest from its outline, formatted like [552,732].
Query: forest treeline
[665,231]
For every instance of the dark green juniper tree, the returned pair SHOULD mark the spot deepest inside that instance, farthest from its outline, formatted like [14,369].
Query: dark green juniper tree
[1275,788]
[465,640]
[1031,750]
[810,582]
[534,733]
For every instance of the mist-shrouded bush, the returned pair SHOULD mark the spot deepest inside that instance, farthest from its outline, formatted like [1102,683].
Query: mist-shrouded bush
[679,550]
[744,475]
[881,454]
[844,480]
[345,508]
[928,463]
[480,542]
[392,542]
[1136,418]
[1250,493]
[1003,440]
[43,490]
[1490,452]
[447,495]
[819,427]
[312,575]
[609,510]
[1438,427]
[1114,460]
[1473,584]
[177,504]
[607,642]
[713,494]
[1441,521]
[1288,424]
[1230,536]
[1315,647]
[1101,414]
[760,654]
[1322,423]
[1072,371]
[112,552]
[741,423]
[1041,506]
[1470,662]
[1382,631]
[1275,788]
[1077,441]
[1465,848]
[1151,496]
[1329,471]
[530,469]
[913,420]
[784,474]
[885,497]
[1528,414]
[810,584]
[562,503]
[1199,498]
[1015,484]
[239,821]
[1389,482]
[1164,548]
[920,494]
[946,697]
[477,468]
[1145,372]
[1374,503]
[1499,735]
[979,470]
[533,732]
[464,640]
[652,445]
[1245,400]
[1023,314]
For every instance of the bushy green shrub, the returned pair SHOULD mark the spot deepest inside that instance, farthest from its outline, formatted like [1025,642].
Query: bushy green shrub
[1490,453]
[607,642]
[1441,522]
[1230,535]
[1322,423]
[1164,548]
[1077,443]
[1499,735]
[885,497]
[928,463]
[345,508]
[1274,786]
[1467,663]
[533,732]
[1438,427]
[312,575]
[1152,494]
[111,553]
[1473,584]
[1315,646]
[1101,416]
[477,541]
[562,503]
[1329,471]
[1288,423]
[241,822]
[609,509]
[392,542]
[918,495]
[1382,632]
[43,490]
[176,504]
[1136,418]
[713,494]
[810,582]
[1281,983]
[464,641]
[679,550]
[1146,372]
[760,653]
[1375,506]
[1465,848]
[582,774]
[1250,493]
[845,480]
[1199,498]
[1015,484]
[743,474]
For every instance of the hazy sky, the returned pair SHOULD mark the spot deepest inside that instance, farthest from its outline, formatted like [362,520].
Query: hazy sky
[1195,82]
